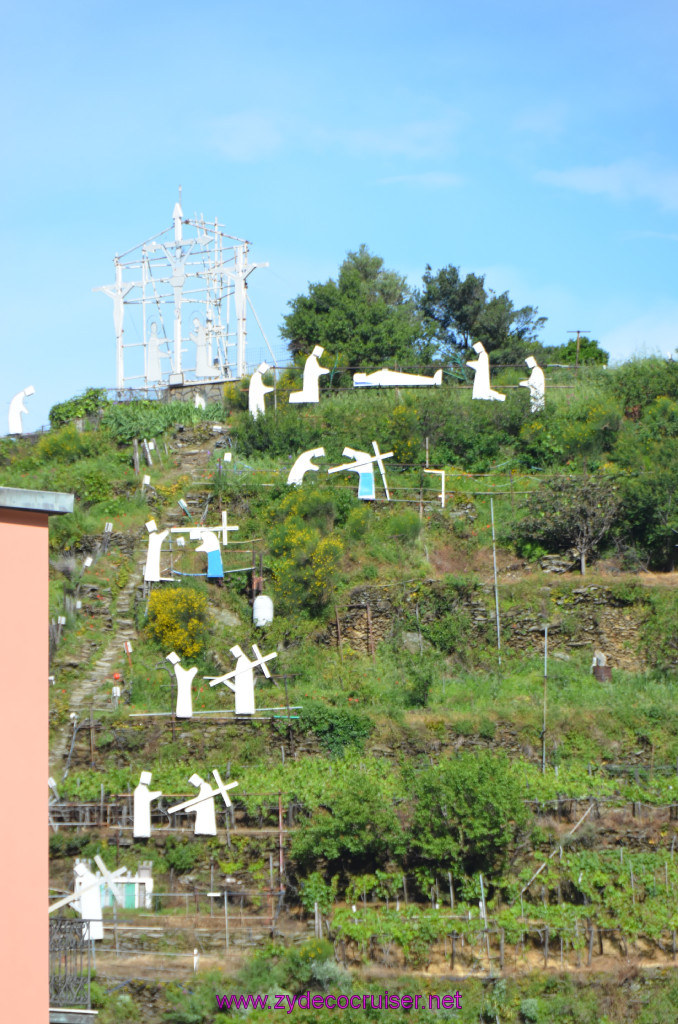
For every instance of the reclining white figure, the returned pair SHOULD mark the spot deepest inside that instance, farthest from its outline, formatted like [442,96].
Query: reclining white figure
[536,382]
[481,382]
[313,371]
[394,378]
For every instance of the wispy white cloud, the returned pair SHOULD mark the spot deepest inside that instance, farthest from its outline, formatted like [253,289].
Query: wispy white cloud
[426,179]
[246,136]
[624,180]
[412,139]
[666,236]
[547,120]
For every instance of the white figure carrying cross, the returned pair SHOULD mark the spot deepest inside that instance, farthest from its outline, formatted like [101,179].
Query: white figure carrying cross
[243,678]
[363,465]
[203,803]
[89,885]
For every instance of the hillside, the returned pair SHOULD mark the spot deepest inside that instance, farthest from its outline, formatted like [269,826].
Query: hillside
[404,775]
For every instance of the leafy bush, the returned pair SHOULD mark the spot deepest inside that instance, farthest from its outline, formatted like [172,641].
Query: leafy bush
[356,826]
[639,382]
[405,525]
[315,889]
[181,855]
[468,812]
[335,728]
[177,620]
[404,434]
[90,402]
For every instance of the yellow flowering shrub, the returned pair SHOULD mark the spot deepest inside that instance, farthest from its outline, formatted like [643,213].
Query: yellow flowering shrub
[177,620]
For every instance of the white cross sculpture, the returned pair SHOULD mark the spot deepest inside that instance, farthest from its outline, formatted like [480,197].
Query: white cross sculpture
[363,465]
[243,678]
[205,818]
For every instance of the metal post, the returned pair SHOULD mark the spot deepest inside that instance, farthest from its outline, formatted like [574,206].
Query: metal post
[496,590]
[543,726]
[281,856]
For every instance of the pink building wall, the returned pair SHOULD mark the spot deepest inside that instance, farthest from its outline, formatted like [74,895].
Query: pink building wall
[24,657]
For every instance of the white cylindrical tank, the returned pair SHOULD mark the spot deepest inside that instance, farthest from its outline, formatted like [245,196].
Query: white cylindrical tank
[262,610]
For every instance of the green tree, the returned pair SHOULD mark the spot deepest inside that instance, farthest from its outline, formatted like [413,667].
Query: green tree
[459,311]
[571,512]
[587,352]
[367,316]
[356,827]
[469,810]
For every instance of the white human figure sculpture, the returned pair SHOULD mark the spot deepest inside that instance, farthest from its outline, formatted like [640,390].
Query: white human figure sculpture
[394,378]
[154,356]
[363,465]
[243,678]
[258,390]
[209,543]
[203,361]
[143,798]
[536,382]
[304,464]
[481,382]
[17,408]
[205,821]
[184,677]
[205,813]
[155,542]
[313,371]
[87,888]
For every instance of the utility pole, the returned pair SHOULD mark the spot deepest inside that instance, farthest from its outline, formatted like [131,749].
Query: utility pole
[581,331]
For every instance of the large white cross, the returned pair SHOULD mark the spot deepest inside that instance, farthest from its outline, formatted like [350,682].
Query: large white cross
[224,529]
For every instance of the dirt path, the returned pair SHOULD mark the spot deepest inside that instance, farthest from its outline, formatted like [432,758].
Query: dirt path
[100,671]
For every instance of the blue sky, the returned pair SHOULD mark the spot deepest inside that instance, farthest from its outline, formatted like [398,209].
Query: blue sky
[534,142]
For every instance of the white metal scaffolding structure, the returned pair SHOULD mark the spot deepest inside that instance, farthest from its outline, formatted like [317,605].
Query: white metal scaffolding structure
[177,288]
